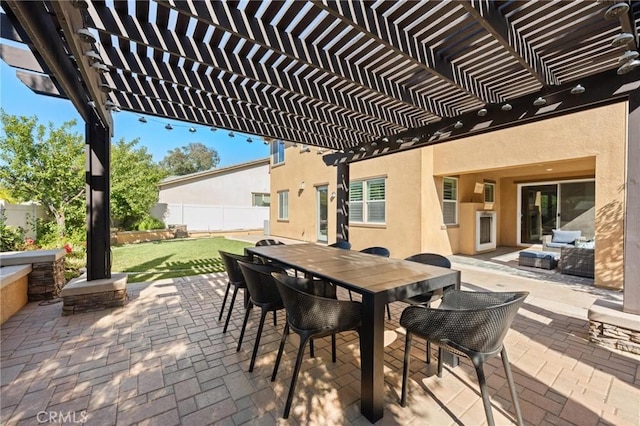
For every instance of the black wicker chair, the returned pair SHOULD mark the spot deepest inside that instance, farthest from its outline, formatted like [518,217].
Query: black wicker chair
[236,279]
[378,251]
[312,316]
[431,296]
[341,244]
[269,242]
[468,324]
[264,294]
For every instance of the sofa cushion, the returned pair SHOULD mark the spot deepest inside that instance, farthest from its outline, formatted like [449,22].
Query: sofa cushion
[560,236]
[558,245]
[538,254]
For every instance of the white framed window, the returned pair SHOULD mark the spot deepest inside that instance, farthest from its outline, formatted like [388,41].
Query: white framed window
[367,201]
[489,192]
[260,199]
[283,205]
[277,152]
[450,201]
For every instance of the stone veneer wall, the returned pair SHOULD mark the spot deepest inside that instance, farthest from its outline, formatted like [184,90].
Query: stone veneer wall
[93,301]
[46,280]
[612,336]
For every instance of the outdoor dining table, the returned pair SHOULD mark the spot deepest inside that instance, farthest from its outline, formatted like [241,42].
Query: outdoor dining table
[379,280]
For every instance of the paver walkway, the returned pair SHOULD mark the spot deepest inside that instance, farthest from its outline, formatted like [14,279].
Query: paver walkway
[162,359]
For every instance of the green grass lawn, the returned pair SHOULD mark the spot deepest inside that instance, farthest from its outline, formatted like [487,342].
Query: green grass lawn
[172,258]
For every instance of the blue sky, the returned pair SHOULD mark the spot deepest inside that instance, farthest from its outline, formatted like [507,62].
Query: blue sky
[17,99]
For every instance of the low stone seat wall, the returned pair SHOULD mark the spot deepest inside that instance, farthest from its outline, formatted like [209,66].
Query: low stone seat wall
[47,271]
[611,327]
[14,281]
[80,295]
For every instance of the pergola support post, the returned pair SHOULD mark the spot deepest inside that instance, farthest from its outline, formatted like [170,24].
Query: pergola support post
[97,165]
[342,220]
[631,303]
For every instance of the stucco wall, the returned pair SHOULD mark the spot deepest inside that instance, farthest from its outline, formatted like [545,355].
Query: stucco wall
[403,218]
[587,144]
[599,134]
[232,188]
[300,167]
[13,290]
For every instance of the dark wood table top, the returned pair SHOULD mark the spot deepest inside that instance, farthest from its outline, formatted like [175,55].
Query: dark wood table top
[360,272]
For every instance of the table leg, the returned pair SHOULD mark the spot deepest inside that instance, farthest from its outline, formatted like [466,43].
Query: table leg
[447,357]
[372,357]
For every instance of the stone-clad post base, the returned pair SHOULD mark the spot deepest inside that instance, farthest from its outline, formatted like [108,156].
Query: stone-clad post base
[81,295]
[609,326]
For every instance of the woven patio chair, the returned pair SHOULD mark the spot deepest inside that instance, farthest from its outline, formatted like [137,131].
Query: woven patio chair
[431,296]
[468,324]
[378,251]
[269,242]
[236,279]
[341,244]
[312,316]
[264,294]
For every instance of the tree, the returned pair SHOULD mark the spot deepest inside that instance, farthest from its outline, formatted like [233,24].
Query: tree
[5,194]
[195,157]
[45,165]
[134,183]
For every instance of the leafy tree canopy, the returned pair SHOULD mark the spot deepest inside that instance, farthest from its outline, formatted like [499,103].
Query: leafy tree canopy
[195,157]
[6,195]
[47,165]
[44,164]
[134,183]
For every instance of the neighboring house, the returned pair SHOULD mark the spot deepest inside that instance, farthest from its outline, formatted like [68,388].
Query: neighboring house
[229,198]
[507,187]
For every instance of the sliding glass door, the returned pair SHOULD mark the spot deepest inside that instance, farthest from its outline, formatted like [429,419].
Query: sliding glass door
[556,205]
[538,211]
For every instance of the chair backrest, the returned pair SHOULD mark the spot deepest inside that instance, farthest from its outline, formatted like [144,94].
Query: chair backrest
[260,283]
[479,321]
[230,261]
[341,244]
[379,251]
[268,242]
[307,311]
[430,259]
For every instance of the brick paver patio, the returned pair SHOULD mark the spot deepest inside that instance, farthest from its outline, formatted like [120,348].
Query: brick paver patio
[163,360]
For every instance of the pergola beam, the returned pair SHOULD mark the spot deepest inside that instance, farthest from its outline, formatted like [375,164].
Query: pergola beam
[425,60]
[45,39]
[600,89]
[71,20]
[40,84]
[20,58]
[487,15]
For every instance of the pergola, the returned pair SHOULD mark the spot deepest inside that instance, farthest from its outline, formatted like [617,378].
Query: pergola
[360,78]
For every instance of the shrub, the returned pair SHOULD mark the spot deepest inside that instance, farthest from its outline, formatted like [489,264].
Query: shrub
[11,239]
[74,243]
[150,223]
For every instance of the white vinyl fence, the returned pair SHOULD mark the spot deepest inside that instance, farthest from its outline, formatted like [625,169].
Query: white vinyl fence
[200,217]
[22,216]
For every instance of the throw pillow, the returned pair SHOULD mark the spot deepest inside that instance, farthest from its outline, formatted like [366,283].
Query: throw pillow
[560,236]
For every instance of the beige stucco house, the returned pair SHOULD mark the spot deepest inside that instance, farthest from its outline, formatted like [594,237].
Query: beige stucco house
[506,187]
[228,198]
